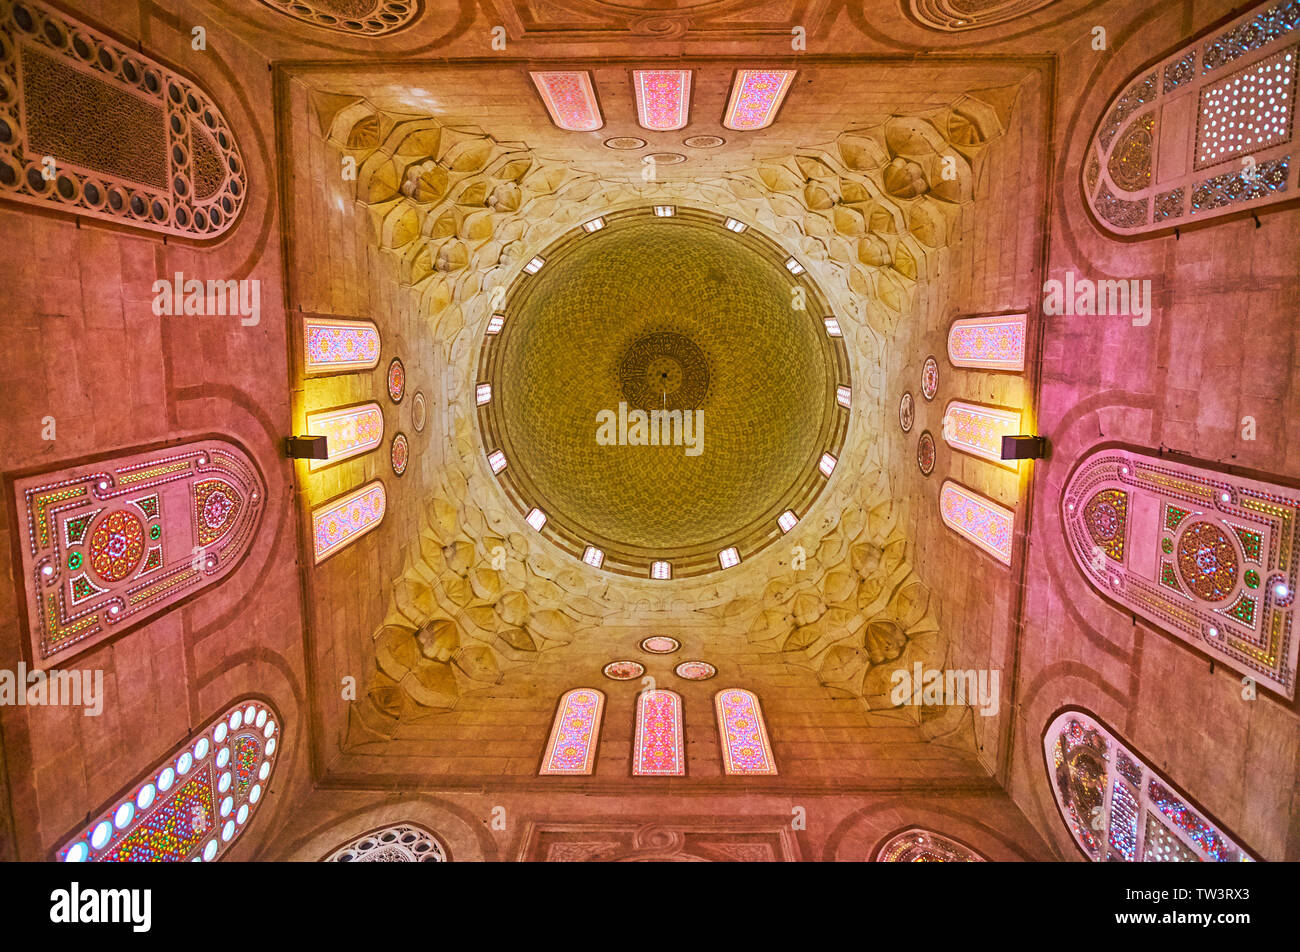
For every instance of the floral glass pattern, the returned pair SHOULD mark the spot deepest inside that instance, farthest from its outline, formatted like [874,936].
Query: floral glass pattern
[930,378]
[978,520]
[1207,557]
[1118,808]
[756,96]
[695,671]
[623,670]
[399,454]
[571,749]
[196,802]
[906,412]
[925,453]
[660,644]
[925,846]
[988,343]
[109,544]
[400,843]
[348,432]
[570,98]
[657,749]
[396,380]
[745,747]
[340,522]
[663,98]
[978,430]
[333,346]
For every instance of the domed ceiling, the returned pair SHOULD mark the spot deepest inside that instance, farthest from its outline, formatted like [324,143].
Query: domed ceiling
[649,314]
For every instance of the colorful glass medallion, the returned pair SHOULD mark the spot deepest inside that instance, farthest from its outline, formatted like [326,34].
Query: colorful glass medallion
[660,644]
[695,670]
[906,412]
[396,380]
[572,747]
[624,670]
[657,749]
[745,747]
[925,453]
[930,378]
[196,802]
[399,453]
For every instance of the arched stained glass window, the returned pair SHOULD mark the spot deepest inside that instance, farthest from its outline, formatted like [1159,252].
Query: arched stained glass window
[340,522]
[925,846]
[663,98]
[575,734]
[399,843]
[1207,557]
[570,98]
[348,431]
[1207,131]
[978,430]
[332,346]
[110,544]
[979,520]
[756,96]
[196,802]
[657,750]
[131,141]
[745,747]
[988,343]
[1118,808]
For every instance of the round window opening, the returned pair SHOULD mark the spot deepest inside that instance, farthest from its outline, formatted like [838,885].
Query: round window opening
[659,394]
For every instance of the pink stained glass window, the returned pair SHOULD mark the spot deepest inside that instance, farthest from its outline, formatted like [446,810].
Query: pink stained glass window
[988,343]
[977,519]
[340,522]
[348,431]
[978,430]
[663,98]
[1120,809]
[333,346]
[657,750]
[570,98]
[756,95]
[196,802]
[745,747]
[571,751]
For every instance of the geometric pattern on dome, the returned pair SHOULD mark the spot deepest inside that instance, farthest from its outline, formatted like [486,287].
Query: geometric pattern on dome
[110,544]
[136,143]
[354,17]
[1240,157]
[1177,538]
[195,803]
[399,843]
[704,336]
[1118,807]
[925,846]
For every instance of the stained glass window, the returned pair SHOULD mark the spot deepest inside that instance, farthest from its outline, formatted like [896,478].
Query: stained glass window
[756,95]
[745,747]
[348,431]
[1118,808]
[575,733]
[340,522]
[925,846]
[663,98]
[1236,86]
[657,750]
[196,802]
[334,346]
[1205,556]
[570,98]
[980,520]
[112,543]
[978,430]
[988,343]
[399,843]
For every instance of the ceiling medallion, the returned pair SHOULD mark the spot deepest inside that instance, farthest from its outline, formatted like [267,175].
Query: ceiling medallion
[624,670]
[703,142]
[625,143]
[665,158]
[695,670]
[925,453]
[906,412]
[396,380]
[660,644]
[400,454]
[419,413]
[664,371]
[930,378]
